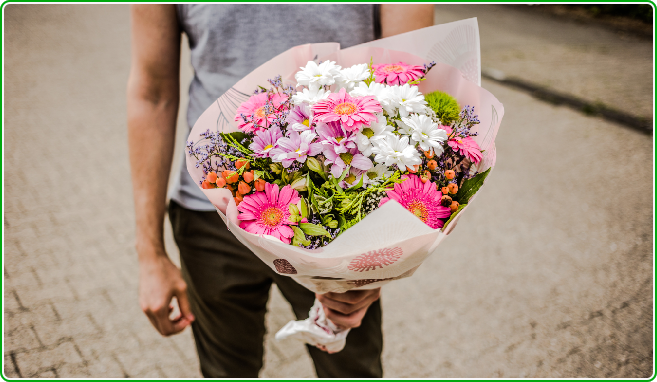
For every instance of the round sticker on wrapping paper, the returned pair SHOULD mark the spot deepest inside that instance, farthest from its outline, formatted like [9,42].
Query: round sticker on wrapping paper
[372,259]
[284,267]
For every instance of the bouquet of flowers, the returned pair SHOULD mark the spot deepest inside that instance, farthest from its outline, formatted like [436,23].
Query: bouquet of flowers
[347,172]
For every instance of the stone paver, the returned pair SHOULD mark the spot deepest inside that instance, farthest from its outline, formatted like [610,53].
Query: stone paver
[558,283]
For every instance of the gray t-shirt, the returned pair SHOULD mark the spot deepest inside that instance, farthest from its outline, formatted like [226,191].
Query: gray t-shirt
[228,41]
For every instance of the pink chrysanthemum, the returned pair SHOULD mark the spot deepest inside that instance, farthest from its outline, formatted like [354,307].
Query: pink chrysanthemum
[464,146]
[268,213]
[397,74]
[353,112]
[421,199]
[258,111]
[264,141]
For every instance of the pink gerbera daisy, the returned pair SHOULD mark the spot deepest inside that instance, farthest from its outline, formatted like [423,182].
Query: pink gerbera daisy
[259,111]
[464,146]
[421,199]
[397,74]
[353,112]
[268,213]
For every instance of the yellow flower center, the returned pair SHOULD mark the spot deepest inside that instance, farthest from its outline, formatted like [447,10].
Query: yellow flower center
[306,122]
[260,112]
[350,179]
[369,133]
[345,108]
[393,69]
[372,174]
[418,209]
[346,158]
[271,216]
[338,139]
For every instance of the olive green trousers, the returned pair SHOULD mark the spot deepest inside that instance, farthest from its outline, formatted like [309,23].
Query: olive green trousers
[228,289]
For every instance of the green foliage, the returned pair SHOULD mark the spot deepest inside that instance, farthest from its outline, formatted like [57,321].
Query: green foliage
[314,230]
[445,106]
[299,238]
[470,187]
[461,206]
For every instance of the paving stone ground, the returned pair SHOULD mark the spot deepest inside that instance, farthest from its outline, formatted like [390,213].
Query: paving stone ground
[550,274]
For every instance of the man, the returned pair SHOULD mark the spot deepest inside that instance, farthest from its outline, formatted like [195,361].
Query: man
[223,288]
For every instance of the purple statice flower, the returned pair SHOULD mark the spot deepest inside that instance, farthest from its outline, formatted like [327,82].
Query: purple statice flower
[265,141]
[295,147]
[299,118]
[334,137]
[340,161]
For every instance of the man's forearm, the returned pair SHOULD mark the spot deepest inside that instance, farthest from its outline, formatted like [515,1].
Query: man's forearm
[151,137]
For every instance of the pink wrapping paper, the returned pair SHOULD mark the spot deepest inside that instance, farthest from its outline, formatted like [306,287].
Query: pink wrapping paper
[390,243]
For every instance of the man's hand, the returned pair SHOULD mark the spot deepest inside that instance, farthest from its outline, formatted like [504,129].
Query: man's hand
[159,282]
[347,310]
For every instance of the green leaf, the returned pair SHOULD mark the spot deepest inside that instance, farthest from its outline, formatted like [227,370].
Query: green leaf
[238,135]
[357,186]
[461,206]
[341,221]
[314,229]
[304,207]
[299,238]
[470,187]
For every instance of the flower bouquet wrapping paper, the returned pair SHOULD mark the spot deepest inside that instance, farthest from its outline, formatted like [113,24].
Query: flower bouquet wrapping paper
[334,115]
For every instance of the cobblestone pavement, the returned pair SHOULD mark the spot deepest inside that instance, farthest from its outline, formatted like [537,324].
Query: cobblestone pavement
[558,283]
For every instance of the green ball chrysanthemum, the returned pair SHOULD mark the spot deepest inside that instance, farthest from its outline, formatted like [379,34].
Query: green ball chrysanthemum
[444,105]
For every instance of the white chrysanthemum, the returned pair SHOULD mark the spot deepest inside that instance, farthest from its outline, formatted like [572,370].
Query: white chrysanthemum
[380,91]
[314,76]
[376,130]
[408,99]
[349,77]
[377,174]
[426,132]
[310,96]
[396,150]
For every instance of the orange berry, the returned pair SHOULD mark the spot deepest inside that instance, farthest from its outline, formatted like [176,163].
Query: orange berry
[241,163]
[446,201]
[259,184]
[428,154]
[432,164]
[450,174]
[206,185]
[425,177]
[232,177]
[248,177]
[454,206]
[225,173]
[453,188]
[221,182]
[212,177]
[444,190]
[414,169]
[238,198]
[243,188]
[230,188]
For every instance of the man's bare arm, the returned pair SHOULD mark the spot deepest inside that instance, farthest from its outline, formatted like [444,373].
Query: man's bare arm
[401,18]
[153,97]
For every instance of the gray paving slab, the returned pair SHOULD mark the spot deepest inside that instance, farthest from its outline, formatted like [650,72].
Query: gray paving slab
[549,274]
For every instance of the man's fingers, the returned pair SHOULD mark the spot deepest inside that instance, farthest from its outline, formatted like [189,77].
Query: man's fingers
[354,296]
[352,320]
[183,304]
[342,307]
